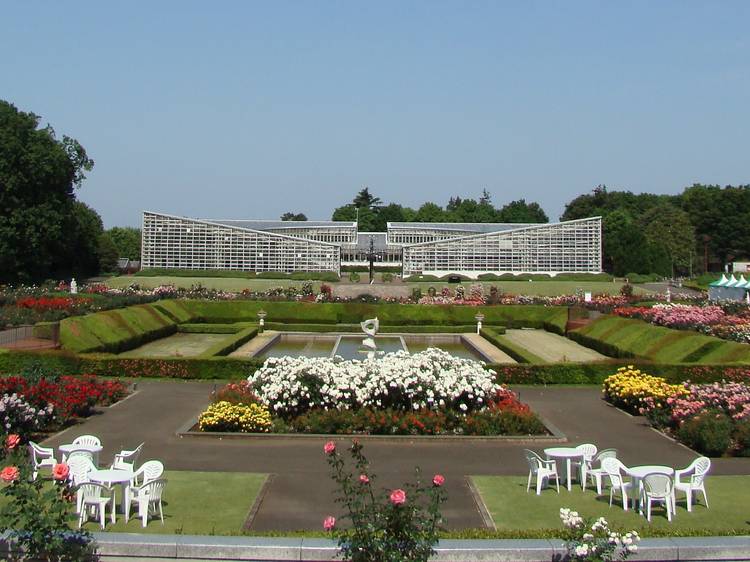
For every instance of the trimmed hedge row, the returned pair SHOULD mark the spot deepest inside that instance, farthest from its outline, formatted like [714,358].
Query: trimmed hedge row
[228,345]
[356,328]
[213,328]
[517,352]
[13,362]
[625,337]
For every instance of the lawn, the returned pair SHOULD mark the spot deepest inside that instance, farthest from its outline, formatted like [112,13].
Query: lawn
[513,509]
[217,283]
[177,345]
[538,288]
[198,503]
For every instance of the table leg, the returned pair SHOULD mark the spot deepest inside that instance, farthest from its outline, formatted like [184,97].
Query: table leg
[126,494]
[568,475]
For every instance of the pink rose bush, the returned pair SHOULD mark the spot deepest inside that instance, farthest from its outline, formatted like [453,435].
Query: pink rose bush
[397,524]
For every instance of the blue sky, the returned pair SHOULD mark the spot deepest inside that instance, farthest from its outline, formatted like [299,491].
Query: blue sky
[248,109]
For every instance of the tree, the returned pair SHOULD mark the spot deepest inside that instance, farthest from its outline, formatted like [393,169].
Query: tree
[38,174]
[430,212]
[365,199]
[127,241]
[523,212]
[669,227]
[108,253]
[81,256]
[486,198]
[290,216]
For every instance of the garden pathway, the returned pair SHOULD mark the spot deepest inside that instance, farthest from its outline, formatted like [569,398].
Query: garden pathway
[301,492]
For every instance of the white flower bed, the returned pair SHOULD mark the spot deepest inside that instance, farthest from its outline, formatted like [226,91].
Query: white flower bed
[432,379]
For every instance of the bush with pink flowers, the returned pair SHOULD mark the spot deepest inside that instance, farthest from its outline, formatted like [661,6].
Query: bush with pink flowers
[387,525]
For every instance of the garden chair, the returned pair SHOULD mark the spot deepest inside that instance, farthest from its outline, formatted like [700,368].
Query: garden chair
[543,469]
[581,466]
[127,460]
[92,440]
[613,469]
[41,457]
[82,453]
[594,469]
[148,471]
[94,501]
[148,496]
[697,472]
[79,468]
[658,488]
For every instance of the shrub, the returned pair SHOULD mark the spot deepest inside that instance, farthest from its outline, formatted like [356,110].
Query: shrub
[239,392]
[626,290]
[742,438]
[20,417]
[223,416]
[354,277]
[709,433]
[387,277]
[629,387]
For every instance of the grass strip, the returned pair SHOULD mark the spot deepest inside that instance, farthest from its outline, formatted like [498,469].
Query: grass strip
[517,352]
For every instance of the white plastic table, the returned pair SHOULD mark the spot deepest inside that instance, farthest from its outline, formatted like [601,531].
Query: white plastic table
[567,454]
[111,476]
[65,450]
[638,473]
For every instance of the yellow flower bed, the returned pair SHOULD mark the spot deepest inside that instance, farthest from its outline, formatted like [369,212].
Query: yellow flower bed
[629,386]
[224,416]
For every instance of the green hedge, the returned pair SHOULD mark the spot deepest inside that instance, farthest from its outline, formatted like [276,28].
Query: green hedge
[356,328]
[581,277]
[117,330]
[517,352]
[626,337]
[176,310]
[228,345]
[213,328]
[13,362]
[43,330]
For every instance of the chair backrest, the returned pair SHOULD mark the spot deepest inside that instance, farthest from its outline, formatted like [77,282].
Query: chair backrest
[80,453]
[151,470]
[605,454]
[87,440]
[658,485]
[701,467]
[588,450]
[612,467]
[126,457]
[39,453]
[154,489]
[533,459]
[79,468]
[93,490]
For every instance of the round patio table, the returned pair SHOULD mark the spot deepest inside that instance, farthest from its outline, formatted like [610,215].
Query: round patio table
[110,477]
[638,473]
[65,450]
[567,454]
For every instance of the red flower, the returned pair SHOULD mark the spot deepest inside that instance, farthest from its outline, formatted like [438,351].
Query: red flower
[438,480]
[329,523]
[329,448]
[60,471]
[364,479]
[12,441]
[398,497]
[9,474]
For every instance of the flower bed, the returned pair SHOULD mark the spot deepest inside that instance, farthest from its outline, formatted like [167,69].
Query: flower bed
[713,419]
[427,393]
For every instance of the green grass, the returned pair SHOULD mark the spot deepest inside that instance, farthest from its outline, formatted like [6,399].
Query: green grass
[178,345]
[512,509]
[536,288]
[198,503]
[216,283]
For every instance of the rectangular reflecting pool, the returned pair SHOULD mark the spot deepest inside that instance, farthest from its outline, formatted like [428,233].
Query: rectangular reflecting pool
[349,346]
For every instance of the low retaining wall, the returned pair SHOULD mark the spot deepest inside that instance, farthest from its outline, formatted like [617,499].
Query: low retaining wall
[123,547]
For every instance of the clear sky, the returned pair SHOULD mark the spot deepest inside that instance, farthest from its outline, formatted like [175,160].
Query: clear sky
[248,109]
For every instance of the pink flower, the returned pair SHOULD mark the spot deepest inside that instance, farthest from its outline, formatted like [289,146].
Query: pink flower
[438,480]
[60,471]
[364,479]
[12,441]
[329,523]
[398,497]
[329,448]
[9,474]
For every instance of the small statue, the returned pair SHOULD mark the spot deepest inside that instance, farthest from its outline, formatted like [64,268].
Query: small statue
[73,286]
[370,328]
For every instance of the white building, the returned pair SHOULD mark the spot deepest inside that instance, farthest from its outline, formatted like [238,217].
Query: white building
[469,249]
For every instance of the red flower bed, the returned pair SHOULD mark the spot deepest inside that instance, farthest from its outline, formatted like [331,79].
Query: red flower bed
[42,304]
[70,395]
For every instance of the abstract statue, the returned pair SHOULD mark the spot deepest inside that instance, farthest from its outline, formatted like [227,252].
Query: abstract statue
[370,328]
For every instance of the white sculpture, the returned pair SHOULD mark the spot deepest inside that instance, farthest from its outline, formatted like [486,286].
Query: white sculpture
[370,328]
[73,286]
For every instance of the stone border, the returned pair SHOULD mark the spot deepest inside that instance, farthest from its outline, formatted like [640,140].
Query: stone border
[157,548]
[556,436]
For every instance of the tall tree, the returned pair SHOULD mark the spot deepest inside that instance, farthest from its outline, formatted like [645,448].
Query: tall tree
[38,174]
[521,211]
[127,241]
[291,216]
[669,226]
[366,199]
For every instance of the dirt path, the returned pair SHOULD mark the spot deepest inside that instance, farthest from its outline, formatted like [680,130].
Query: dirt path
[551,347]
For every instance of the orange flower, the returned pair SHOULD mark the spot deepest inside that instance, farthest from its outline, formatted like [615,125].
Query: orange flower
[9,474]
[12,441]
[60,471]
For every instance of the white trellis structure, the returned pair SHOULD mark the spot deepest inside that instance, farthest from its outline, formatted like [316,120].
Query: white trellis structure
[564,247]
[181,243]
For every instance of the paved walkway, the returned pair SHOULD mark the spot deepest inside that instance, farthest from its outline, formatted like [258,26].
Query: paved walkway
[301,492]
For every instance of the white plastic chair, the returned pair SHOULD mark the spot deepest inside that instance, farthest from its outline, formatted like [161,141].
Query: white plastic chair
[41,457]
[613,469]
[658,488]
[148,471]
[78,473]
[697,472]
[80,453]
[89,440]
[127,459]
[543,469]
[581,466]
[94,501]
[594,469]
[148,496]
